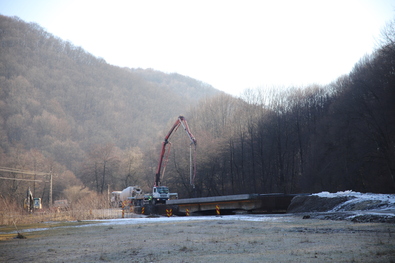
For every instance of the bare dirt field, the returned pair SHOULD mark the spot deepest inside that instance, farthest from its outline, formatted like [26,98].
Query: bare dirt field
[281,238]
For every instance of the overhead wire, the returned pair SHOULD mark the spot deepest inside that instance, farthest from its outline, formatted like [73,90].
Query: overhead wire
[20,171]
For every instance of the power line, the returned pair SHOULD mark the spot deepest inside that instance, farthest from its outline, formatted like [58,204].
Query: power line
[20,171]
[18,179]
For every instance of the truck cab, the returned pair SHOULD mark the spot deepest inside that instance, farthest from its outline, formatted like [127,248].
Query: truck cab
[160,194]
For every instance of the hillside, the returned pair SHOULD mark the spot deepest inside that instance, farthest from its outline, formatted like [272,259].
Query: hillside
[57,97]
[64,110]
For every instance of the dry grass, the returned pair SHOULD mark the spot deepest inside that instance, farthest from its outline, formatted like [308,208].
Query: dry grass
[287,239]
[92,206]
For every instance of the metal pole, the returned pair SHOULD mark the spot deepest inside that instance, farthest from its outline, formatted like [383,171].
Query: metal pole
[50,190]
[108,196]
[34,185]
[190,166]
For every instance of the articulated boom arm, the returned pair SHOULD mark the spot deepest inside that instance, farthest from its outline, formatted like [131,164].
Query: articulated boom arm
[180,121]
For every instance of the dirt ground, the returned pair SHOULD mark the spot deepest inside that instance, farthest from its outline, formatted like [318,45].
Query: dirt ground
[284,238]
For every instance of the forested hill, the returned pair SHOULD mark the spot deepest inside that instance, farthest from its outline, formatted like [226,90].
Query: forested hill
[60,99]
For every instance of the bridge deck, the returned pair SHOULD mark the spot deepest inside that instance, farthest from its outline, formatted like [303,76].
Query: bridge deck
[255,203]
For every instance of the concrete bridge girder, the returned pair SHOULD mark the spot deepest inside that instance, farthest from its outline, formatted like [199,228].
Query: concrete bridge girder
[247,202]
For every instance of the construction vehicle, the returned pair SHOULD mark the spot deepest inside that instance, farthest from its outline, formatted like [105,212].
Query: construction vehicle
[37,203]
[161,193]
[131,196]
[134,196]
[115,199]
[28,202]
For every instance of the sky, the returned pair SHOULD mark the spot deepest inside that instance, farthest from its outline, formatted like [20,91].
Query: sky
[231,45]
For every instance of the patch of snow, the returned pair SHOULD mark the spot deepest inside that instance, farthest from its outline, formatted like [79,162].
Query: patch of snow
[161,219]
[332,195]
[362,201]
[368,196]
[147,220]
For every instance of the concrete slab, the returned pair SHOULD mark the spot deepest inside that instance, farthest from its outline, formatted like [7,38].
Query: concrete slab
[265,203]
[212,199]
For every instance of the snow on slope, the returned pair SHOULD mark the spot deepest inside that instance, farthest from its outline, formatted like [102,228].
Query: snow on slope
[362,201]
[359,207]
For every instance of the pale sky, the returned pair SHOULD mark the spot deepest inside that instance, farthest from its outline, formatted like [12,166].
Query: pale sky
[231,45]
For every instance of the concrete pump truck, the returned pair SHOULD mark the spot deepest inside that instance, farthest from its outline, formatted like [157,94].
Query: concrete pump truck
[133,195]
[161,193]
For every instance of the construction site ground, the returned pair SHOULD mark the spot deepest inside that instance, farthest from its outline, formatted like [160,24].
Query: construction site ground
[237,238]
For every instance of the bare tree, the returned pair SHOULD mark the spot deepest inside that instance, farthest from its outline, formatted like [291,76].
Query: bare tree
[99,166]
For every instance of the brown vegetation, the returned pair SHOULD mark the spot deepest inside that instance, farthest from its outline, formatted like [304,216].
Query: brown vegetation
[84,205]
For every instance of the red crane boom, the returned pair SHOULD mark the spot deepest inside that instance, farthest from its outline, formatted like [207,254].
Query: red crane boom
[180,121]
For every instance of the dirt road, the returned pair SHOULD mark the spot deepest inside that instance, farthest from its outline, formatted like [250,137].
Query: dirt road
[215,239]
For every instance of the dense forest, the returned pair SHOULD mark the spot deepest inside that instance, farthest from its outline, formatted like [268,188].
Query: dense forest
[97,127]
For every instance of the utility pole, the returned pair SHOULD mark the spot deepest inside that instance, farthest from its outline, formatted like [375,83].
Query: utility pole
[34,184]
[108,195]
[50,189]
[190,167]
